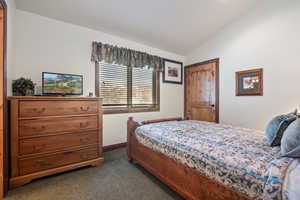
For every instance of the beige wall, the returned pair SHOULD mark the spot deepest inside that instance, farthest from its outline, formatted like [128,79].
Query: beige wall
[11,9]
[44,44]
[267,37]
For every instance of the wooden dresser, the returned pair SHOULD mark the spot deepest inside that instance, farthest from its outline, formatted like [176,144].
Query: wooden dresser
[53,134]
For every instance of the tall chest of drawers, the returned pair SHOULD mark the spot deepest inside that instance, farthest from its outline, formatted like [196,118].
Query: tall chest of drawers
[50,135]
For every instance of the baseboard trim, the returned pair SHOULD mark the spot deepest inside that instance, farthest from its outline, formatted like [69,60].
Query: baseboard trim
[114,146]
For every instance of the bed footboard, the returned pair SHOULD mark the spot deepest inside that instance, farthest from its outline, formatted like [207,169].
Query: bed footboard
[187,182]
[132,125]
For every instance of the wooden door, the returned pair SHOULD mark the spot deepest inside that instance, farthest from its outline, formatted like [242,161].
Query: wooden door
[3,138]
[1,105]
[202,91]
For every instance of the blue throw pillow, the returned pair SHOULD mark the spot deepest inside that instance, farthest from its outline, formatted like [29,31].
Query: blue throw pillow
[277,126]
[290,143]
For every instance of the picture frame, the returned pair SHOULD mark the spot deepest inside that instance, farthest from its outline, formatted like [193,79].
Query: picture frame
[173,71]
[249,82]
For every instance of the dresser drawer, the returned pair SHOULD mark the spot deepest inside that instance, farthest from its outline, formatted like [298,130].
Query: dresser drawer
[55,125]
[57,108]
[31,165]
[58,142]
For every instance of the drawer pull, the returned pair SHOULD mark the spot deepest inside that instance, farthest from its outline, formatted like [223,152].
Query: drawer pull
[41,163]
[84,124]
[84,156]
[39,147]
[84,140]
[39,110]
[41,128]
[84,109]
[68,153]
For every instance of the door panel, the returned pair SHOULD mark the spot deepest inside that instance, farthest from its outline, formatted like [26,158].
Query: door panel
[3,167]
[201,87]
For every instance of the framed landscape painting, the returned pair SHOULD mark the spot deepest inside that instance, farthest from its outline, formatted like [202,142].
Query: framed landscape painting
[172,72]
[249,82]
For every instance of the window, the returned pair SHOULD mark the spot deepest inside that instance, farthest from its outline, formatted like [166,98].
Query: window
[125,89]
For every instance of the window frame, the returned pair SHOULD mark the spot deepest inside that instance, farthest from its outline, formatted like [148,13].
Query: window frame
[129,108]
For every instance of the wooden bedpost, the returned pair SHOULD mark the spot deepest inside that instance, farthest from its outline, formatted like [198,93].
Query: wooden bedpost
[161,120]
[131,126]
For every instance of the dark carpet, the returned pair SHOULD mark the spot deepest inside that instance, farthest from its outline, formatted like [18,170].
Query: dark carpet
[116,179]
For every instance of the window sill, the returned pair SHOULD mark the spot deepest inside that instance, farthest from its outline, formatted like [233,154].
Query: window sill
[129,110]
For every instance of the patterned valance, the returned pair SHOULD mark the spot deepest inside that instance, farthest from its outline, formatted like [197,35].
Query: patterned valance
[123,56]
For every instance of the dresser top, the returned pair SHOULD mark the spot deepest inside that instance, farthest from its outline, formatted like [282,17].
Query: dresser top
[53,98]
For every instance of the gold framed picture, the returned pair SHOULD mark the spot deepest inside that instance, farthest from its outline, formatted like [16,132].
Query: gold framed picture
[249,82]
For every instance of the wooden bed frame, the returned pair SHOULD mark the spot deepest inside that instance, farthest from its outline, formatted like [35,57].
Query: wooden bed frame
[185,181]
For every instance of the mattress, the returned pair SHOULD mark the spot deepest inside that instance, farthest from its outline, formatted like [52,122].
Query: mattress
[235,157]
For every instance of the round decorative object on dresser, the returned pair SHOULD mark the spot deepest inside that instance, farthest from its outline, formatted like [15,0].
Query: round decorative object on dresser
[23,87]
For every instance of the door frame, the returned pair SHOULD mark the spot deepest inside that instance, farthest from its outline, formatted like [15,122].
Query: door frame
[217,94]
[4,144]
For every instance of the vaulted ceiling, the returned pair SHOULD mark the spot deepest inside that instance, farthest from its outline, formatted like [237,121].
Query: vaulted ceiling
[177,26]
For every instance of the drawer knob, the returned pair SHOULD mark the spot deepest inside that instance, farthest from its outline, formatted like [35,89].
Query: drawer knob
[84,124]
[39,110]
[40,128]
[38,147]
[84,156]
[84,140]
[41,163]
[84,109]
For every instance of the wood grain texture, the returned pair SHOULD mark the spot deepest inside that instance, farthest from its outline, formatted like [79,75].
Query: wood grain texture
[36,164]
[185,181]
[3,103]
[56,142]
[2,113]
[44,126]
[22,180]
[202,91]
[14,141]
[54,108]
[162,120]
[56,138]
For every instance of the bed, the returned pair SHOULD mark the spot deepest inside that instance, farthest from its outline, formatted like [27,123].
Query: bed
[202,160]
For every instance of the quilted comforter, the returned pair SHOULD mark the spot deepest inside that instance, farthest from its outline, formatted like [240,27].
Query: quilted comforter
[236,157]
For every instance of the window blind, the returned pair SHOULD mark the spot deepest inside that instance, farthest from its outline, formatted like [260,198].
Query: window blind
[142,86]
[121,86]
[113,82]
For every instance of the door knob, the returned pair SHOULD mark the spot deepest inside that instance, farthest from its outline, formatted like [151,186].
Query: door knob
[188,113]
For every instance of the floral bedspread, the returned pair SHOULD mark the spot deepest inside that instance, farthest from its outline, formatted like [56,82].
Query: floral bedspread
[236,157]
